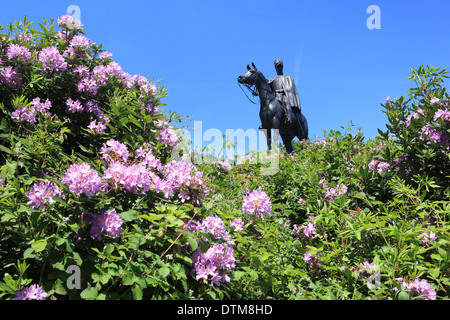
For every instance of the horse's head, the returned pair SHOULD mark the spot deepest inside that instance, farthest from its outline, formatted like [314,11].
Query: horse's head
[250,77]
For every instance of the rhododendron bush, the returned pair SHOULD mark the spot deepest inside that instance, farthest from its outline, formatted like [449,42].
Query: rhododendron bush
[86,169]
[95,203]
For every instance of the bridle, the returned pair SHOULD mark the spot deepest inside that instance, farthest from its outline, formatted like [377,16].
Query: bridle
[249,88]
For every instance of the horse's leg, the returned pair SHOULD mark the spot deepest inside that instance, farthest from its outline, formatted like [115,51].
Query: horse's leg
[287,141]
[276,128]
[268,135]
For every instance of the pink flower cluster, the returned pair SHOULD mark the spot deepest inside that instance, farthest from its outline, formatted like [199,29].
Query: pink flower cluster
[313,262]
[214,226]
[18,52]
[11,77]
[214,264]
[52,60]
[427,236]
[28,114]
[419,288]
[379,166]
[224,165]
[307,231]
[257,203]
[435,134]
[33,292]
[414,115]
[41,193]
[218,260]
[133,178]
[114,150]
[332,193]
[69,22]
[81,178]
[184,179]
[179,178]
[237,224]
[427,133]
[167,135]
[78,47]
[443,114]
[108,222]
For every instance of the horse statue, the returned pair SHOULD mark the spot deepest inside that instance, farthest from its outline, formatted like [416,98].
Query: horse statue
[272,113]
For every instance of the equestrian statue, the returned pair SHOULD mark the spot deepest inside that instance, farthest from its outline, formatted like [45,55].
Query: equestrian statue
[279,104]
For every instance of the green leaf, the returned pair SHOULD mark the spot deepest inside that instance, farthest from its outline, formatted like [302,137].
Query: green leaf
[151,217]
[434,272]
[89,293]
[403,295]
[257,261]
[129,215]
[164,272]
[39,245]
[193,243]
[137,292]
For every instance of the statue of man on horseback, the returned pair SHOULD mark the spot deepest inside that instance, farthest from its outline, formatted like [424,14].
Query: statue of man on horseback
[285,91]
[278,101]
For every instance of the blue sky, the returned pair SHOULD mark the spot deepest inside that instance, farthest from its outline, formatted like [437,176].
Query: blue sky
[343,70]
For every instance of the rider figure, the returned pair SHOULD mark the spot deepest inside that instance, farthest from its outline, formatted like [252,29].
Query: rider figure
[285,91]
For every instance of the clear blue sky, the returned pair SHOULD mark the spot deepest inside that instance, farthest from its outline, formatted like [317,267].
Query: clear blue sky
[342,69]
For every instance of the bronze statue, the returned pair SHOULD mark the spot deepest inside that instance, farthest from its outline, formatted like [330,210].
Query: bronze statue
[277,105]
[285,91]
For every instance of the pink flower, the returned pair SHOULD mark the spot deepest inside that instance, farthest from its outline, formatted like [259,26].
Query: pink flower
[427,236]
[257,203]
[33,292]
[105,55]
[167,134]
[89,85]
[378,165]
[52,60]
[18,52]
[332,193]
[434,100]
[420,288]
[182,178]
[24,114]
[81,178]
[215,263]
[11,77]
[41,107]
[224,165]
[108,222]
[97,127]
[74,106]
[442,114]
[80,43]
[41,193]
[306,232]
[238,224]
[68,22]
[114,150]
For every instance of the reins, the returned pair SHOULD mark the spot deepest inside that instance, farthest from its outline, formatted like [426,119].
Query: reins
[251,90]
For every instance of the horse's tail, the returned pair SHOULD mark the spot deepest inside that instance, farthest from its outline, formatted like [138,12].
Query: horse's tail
[302,126]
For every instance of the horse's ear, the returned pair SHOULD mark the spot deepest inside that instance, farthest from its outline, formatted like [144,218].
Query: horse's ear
[253,65]
[248,67]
